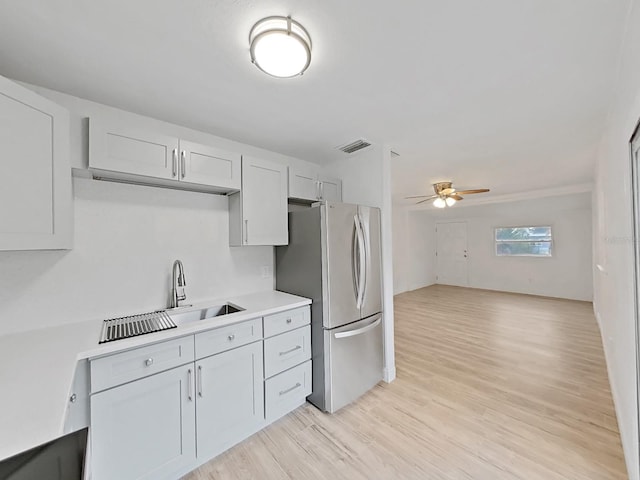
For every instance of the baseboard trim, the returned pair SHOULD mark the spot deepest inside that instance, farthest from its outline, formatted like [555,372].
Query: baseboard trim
[389,374]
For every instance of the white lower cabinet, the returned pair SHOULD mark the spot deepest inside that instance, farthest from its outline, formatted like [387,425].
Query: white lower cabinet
[160,410]
[144,429]
[229,401]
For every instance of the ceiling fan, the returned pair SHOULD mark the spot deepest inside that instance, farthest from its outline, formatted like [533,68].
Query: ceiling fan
[446,195]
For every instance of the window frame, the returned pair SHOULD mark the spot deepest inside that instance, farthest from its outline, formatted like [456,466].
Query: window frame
[497,242]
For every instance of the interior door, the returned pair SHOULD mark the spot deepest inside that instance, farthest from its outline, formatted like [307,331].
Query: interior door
[372,294]
[338,249]
[451,254]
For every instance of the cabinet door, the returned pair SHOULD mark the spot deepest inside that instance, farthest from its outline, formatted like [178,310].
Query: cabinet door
[206,165]
[264,202]
[35,187]
[230,398]
[126,149]
[303,184]
[330,189]
[144,429]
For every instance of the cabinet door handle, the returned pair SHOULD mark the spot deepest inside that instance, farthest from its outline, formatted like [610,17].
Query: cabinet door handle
[231,337]
[297,347]
[288,320]
[190,385]
[321,190]
[200,381]
[246,231]
[284,392]
[183,163]
[174,162]
[148,362]
[317,190]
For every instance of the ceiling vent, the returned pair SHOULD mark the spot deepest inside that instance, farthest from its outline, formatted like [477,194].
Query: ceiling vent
[354,147]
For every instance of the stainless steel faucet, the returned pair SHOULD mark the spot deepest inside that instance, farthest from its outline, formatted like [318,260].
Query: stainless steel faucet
[178,293]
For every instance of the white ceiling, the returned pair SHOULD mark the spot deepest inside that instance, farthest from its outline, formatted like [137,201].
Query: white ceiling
[499,93]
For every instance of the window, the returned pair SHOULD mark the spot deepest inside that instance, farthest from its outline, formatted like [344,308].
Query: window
[523,241]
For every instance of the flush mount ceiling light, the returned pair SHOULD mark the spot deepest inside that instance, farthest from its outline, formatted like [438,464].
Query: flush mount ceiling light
[280,47]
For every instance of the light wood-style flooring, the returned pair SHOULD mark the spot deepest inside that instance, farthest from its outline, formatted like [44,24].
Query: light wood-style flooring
[489,385]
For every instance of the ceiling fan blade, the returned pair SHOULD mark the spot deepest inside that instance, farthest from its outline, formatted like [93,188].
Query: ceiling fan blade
[421,196]
[426,200]
[448,191]
[456,197]
[469,192]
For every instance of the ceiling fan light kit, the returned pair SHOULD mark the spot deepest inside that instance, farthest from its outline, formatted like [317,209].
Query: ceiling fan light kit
[280,47]
[446,195]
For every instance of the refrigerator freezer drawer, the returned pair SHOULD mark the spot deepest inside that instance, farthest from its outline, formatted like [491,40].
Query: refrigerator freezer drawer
[355,361]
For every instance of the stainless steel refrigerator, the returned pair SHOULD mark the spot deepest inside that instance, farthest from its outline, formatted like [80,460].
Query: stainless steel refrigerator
[333,257]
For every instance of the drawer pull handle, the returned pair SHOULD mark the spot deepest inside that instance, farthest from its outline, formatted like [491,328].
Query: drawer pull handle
[297,347]
[284,392]
[288,320]
[200,380]
[231,337]
[148,362]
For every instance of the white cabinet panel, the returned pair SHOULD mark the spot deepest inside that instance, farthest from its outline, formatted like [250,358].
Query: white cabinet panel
[303,184]
[144,429]
[258,214]
[125,152]
[309,184]
[35,188]
[208,165]
[287,391]
[287,350]
[230,398]
[285,321]
[330,189]
[120,368]
[132,150]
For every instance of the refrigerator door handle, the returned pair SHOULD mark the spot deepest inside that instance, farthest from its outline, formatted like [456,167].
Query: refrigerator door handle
[358,331]
[360,262]
[354,263]
[365,263]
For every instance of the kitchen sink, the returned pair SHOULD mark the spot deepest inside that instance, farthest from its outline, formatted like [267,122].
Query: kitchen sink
[204,313]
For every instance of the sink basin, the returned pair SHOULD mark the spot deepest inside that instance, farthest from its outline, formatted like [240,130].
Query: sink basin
[204,313]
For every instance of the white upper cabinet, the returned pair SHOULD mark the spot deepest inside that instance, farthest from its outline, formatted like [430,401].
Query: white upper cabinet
[206,165]
[36,208]
[330,188]
[310,184]
[258,213]
[131,150]
[123,152]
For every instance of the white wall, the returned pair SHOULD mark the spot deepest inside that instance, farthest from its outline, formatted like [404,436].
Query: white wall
[567,274]
[126,239]
[613,248]
[366,180]
[413,250]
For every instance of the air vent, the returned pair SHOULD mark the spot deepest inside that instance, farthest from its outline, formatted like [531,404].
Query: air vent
[354,147]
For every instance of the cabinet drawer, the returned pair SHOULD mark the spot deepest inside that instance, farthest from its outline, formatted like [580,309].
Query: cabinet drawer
[286,350]
[124,367]
[226,338]
[287,391]
[285,321]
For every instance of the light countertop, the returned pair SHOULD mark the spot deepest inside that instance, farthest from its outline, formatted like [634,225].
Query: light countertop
[38,366]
